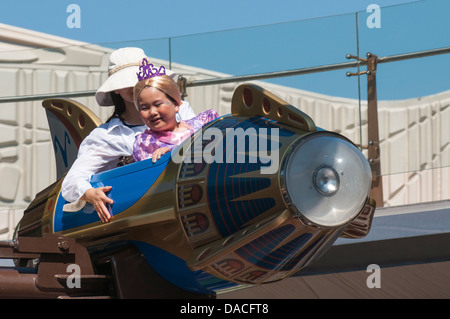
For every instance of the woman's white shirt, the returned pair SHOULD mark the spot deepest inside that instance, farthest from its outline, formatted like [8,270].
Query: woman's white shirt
[99,151]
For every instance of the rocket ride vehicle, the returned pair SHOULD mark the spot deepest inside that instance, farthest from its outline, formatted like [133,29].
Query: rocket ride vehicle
[252,198]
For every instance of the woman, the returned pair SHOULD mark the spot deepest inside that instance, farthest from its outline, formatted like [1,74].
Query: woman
[158,101]
[105,145]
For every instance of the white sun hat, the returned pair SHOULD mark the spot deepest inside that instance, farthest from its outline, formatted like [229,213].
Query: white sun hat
[122,73]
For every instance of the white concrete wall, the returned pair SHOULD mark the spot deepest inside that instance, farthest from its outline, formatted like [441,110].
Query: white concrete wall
[9,217]
[26,154]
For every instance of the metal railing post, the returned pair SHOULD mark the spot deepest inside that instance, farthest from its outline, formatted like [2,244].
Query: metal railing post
[373,135]
[373,131]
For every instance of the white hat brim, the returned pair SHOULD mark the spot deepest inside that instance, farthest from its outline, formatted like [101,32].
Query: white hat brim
[121,79]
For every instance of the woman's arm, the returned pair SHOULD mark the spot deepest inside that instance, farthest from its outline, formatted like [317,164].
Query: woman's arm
[98,152]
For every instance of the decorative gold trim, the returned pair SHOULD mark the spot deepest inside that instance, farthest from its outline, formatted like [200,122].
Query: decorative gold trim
[82,119]
[360,226]
[251,100]
[218,249]
[154,217]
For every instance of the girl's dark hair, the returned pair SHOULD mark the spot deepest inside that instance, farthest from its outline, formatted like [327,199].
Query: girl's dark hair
[119,107]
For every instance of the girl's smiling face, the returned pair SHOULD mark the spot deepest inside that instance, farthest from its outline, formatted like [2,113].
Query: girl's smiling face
[157,110]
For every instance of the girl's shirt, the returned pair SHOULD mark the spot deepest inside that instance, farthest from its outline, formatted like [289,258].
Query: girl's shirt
[149,141]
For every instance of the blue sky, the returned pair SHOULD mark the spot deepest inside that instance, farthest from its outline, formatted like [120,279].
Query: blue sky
[254,36]
[117,20]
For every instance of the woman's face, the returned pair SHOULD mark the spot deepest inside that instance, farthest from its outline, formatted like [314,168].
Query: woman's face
[126,94]
[157,110]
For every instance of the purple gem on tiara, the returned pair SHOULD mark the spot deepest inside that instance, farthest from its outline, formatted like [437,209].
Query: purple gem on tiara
[147,70]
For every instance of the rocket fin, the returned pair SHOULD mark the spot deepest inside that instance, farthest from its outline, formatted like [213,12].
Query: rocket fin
[69,122]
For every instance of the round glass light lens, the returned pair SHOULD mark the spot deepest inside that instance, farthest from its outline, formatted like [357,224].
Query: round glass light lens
[327,179]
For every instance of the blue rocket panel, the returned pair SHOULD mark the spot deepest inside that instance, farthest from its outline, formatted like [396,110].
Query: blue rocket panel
[174,270]
[129,183]
[260,251]
[225,188]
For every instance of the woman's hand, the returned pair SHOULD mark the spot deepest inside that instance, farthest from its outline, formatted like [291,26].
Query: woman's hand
[97,197]
[157,153]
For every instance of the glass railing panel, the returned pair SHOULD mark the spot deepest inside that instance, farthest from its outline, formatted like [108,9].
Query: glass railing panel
[269,48]
[410,27]
[413,99]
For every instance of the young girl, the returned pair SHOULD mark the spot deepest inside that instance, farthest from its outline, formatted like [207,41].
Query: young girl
[158,101]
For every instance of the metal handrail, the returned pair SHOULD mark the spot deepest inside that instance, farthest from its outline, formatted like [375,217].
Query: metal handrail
[243,78]
[36,97]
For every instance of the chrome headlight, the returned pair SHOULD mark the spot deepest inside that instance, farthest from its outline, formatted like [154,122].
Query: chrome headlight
[326,179]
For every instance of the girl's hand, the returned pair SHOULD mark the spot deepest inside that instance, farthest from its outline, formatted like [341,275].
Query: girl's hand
[97,197]
[160,151]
